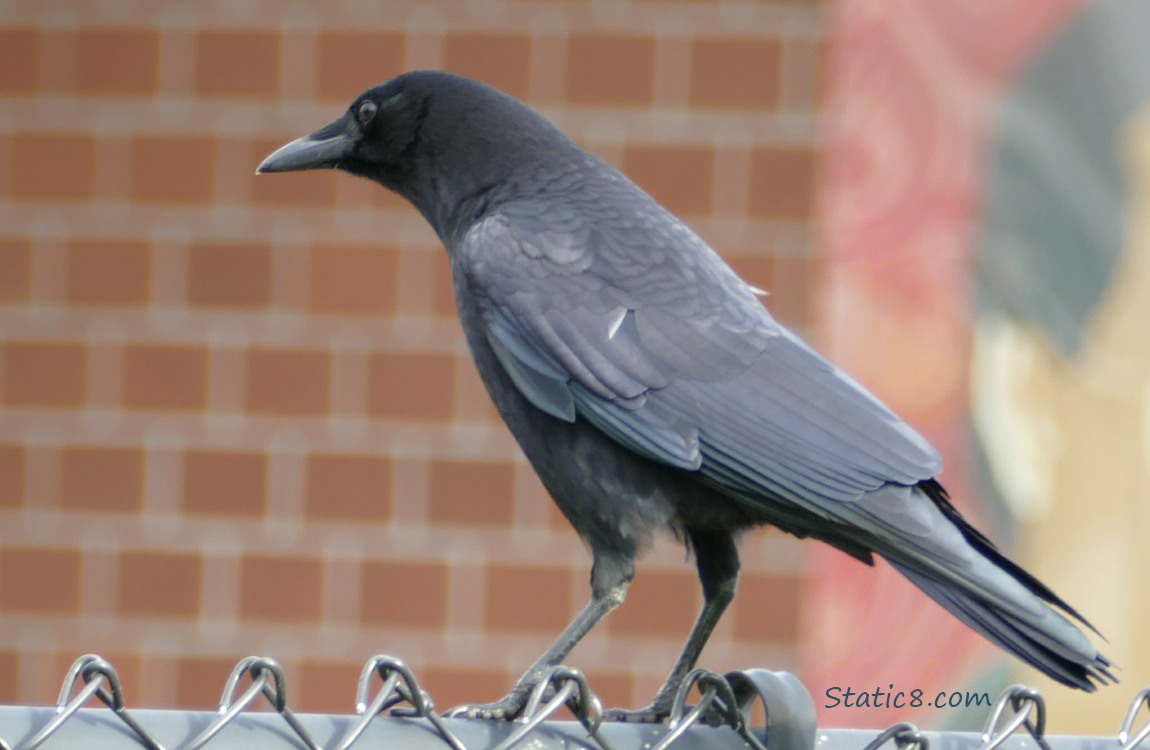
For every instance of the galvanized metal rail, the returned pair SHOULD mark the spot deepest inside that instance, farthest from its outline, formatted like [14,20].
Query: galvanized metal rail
[392,711]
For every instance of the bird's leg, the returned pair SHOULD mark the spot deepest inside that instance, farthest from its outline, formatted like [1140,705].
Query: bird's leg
[610,578]
[718,562]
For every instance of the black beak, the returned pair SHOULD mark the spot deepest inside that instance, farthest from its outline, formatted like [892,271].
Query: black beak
[326,148]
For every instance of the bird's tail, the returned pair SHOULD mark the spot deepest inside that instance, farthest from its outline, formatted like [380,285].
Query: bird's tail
[1044,648]
[1008,605]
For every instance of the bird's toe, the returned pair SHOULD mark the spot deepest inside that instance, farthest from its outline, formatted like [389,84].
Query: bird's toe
[653,714]
[506,709]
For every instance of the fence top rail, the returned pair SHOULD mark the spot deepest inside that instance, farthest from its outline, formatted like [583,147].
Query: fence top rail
[100,729]
[392,711]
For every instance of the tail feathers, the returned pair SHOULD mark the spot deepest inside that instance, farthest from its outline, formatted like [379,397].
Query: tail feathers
[938,494]
[967,575]
[1053,646]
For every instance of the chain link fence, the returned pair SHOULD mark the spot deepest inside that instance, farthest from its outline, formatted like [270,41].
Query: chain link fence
[393,711]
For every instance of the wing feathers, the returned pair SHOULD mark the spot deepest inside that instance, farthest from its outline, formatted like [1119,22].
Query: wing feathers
[547,392]
[643,430]
[706,355]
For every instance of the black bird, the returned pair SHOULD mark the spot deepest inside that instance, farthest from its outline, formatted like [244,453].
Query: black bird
[651,390]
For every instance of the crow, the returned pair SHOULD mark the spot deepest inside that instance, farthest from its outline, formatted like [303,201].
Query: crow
[652,391]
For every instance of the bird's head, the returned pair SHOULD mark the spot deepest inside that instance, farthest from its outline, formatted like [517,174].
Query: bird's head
[442,141]
[373,138]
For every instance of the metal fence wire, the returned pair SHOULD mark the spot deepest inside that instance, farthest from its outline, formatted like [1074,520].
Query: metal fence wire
[392,711]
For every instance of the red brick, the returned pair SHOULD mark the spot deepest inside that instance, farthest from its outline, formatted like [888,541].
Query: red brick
[823,67]
[767,608]
[286,589]
[611,70]
[310,189]
[325,686]
[348,488]
[102,479]
[411,386]
[130,667]
[659,603]
[756,269]
[109,272]
[680,178]
[56,166]
[404,595]
[806,63]
[19,51]
[223,275]
[15,270]
[43,374]
[165,377]
[173,169]
[431,269]
[9,668]
[455,686]
[158,584]
[555,518]
[381,197]
[522,599]
[471,493]
[288,382]
[225,484]
[442,291]
[11,476]
[541,509]
[40,581]
[349,62]
[787,277]
[794,277]
[616,688]
[788,280]
[200,680]
[117,62]
[237,64]
[354,279]
[736,73]
[782,183]
[501,60]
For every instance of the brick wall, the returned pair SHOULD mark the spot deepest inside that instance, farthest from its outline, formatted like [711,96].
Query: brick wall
[237,415]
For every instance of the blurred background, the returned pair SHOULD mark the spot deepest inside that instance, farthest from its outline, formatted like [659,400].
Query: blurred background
[237,415]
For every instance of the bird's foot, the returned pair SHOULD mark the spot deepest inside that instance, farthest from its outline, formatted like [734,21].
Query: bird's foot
[656,713]
[659,711]
[506,709]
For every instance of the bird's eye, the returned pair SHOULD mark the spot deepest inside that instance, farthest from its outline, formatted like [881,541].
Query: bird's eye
[366,111]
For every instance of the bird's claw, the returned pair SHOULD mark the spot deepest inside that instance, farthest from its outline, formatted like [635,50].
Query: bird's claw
[652,714]
[490,711]
[507,709]
[658,713]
